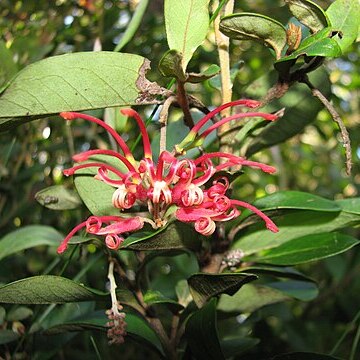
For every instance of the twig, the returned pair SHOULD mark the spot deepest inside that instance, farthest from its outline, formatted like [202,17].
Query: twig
[163,121]
[184,104]
[336,117]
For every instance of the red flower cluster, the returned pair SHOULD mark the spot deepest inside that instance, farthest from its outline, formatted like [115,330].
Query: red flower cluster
[172,181]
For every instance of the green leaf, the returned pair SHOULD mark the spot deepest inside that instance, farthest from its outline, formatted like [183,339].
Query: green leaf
[2,315]
[249,26]
[294,101]
[73,82]
[171,65]
[58,197]
[133,24]
[97,195]
[210,72]
[237,345]
[300,290]
[250,298]
[156,298]
[205,286]
[19,313]
[344,17]
[45,289]
[309,14]
[176,236]
[202,335]
[28,237]
[137,328]
[8,67]
[308,248]
[7,336]
[304,355]
[350,205]
[186,23]
[292,225]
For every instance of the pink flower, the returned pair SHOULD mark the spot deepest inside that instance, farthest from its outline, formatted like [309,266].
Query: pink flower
[171,181]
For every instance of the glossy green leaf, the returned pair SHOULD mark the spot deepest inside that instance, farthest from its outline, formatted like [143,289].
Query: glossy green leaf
[97,195]
[73,82]
[292,200]
[250,26]
[344,17]
[308,248]
[133,24]
[58,197]
[8,67]
[256,238]
[136,328]
[205,286]
[176,236]
[201,333]
[210,72]
[171,65]
[350,205]
[28,237]
[7,336]
[309,14]
[250,298]
[186,24]
[304,355]
[156,298]
[45,289]
[294,101]
[300,290]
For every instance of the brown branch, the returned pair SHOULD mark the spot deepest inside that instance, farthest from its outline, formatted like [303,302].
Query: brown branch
[184,104]
[336,117]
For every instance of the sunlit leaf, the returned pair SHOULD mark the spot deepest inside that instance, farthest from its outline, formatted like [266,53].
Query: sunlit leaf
[8,67]
[73,82]
[309,14]
[250,26]
[210,72]
[344,17]
[186,23]
[308,248]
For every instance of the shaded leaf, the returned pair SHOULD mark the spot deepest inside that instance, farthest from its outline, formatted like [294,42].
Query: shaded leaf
[256,238]
[250,298]
[58,197]
[235,346]
[295,101]
[136,328]
[2,315]
[205,286]
[309,14]
[7,336]
[73,82]
[304,355]
[210,72]
[300,290]
[133,25]
[201,333]
[176,236]
[156,298]
[249,26]
[344,17]
[186,24]
[28,237]
[19,313]
[308,248]
[45,289]
[171,65]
